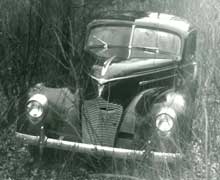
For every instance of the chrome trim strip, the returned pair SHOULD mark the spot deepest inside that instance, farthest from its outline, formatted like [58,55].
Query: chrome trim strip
[142,83]
[104,81]
[98,150]
[131,37]
[130,41]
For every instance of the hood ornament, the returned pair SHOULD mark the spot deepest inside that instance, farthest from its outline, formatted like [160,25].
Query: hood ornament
[106,65]
[103,72]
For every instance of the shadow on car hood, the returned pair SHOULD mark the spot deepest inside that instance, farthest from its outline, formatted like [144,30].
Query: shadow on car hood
[116,63]
[113,69]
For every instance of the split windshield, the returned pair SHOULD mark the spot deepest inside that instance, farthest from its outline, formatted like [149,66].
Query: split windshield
[110,35]
[148,40]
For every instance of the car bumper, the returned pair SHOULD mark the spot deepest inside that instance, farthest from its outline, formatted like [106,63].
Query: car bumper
[98,149]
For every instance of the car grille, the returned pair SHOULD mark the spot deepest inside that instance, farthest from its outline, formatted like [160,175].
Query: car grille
[100,122]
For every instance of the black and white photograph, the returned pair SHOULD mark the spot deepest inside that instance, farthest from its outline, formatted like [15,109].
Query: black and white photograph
[109,89]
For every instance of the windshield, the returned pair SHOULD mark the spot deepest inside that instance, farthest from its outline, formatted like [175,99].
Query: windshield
[106,36]
[144,41]
[150,39]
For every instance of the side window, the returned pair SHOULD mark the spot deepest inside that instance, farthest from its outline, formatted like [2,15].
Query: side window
[190,47]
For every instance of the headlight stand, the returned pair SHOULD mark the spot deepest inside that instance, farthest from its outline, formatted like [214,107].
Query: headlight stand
[41,141]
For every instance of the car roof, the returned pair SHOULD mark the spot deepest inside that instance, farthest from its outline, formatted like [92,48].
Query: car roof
[150,19]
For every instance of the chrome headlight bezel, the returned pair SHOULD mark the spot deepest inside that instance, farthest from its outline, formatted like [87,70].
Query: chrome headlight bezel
[36,108]
[165,120]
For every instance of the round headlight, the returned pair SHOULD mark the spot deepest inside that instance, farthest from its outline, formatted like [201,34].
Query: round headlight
[35,109]
[165,119]
[164,123]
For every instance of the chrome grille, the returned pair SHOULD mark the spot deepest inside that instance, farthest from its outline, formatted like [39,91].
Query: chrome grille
[100,122]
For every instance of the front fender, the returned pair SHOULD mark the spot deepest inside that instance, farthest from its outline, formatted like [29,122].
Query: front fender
[137,126]
[63,108]
[132,114]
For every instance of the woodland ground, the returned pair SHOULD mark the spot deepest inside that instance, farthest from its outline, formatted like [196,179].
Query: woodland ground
[16,162]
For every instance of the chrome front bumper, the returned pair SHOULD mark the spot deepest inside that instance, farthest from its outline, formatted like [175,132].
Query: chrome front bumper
[97,149]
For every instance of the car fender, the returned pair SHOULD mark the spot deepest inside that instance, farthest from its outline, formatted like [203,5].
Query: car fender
[130,114]
[63,107]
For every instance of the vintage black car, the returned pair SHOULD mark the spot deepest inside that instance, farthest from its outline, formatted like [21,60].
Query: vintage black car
[137,100]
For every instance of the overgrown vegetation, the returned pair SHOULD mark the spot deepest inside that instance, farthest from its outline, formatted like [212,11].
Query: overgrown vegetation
[42,41]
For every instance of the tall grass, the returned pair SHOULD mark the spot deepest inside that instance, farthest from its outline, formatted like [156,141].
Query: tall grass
[205,15]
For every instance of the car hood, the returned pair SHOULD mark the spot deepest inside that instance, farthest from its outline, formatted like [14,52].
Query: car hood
[118,63]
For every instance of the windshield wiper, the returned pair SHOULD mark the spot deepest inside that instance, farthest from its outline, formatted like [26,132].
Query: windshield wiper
[103,42]
[149,49]
[156,50]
